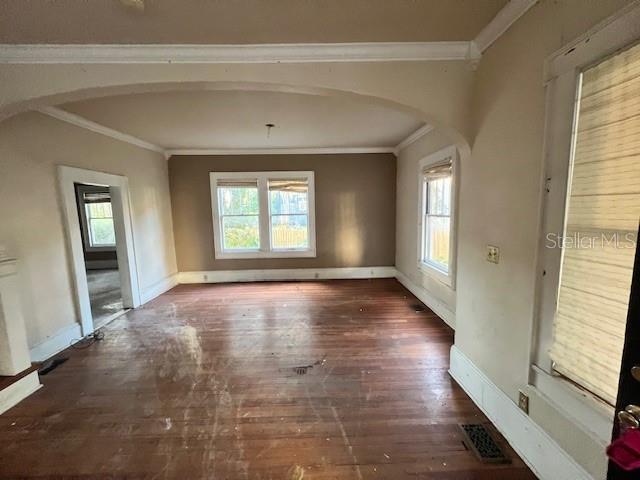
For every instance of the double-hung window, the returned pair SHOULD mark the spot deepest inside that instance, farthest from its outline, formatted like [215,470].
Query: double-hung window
[436,215]
[96,217]
[263,214]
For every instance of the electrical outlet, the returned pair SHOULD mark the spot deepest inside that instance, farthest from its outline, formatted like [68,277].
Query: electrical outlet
[493,254]
[523,402]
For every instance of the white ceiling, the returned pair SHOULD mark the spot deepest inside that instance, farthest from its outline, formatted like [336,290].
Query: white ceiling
[243,21]
[236,120]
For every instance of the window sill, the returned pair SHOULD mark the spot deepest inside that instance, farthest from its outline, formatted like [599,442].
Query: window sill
[583,409]
[434,272]
[111,248]
[270,254]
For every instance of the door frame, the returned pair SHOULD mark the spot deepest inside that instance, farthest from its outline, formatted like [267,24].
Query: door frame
[121,206]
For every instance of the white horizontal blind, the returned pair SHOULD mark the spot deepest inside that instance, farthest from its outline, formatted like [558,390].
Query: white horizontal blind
[601,226]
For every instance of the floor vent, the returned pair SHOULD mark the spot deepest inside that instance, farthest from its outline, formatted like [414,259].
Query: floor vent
[50,365]
[302,370]
[478,439]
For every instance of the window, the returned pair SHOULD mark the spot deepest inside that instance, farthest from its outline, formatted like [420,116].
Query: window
[601,222]
[97,219]
[263,214]
[436,210]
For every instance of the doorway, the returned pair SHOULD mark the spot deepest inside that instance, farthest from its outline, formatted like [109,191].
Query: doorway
[95,213]
[99,230]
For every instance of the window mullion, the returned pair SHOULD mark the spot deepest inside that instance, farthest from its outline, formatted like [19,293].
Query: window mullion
[264,219]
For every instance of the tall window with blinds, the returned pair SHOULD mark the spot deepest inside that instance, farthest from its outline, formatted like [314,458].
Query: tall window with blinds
[436,215]
[601,224]
[263,214]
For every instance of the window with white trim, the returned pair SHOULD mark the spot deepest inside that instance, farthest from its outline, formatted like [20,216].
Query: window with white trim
[436,214]
[601,222]
[263,214]
[96,217]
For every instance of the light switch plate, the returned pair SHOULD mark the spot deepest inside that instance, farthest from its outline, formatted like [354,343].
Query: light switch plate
[493,254]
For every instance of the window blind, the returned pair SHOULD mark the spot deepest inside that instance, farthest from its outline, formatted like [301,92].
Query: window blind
[292,185]
[237,183]
[603,208]
[438,171]
[96,197]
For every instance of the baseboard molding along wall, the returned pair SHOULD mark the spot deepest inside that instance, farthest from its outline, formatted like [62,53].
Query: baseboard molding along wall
[543,455]
[55,343]
[18,391]
[159,288]
[274,275]
[438,307]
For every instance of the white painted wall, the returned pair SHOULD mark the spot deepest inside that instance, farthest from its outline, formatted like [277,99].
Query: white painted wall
[31,146]
[408,172]
[500,205]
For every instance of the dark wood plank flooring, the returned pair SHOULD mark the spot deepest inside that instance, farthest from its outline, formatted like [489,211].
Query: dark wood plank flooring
[201,383]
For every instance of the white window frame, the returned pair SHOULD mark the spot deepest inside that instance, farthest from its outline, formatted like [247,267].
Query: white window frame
[562,72]
[84,222]
[264,215]
[431,269]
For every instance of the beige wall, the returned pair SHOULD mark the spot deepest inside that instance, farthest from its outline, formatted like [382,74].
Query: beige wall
[500,205]
[31,146]
[355,209]
[407,219]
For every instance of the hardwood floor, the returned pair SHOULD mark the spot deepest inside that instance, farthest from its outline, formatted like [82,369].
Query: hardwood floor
[203,383]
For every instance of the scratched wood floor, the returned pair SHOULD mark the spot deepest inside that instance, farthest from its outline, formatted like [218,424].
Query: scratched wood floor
[202,383]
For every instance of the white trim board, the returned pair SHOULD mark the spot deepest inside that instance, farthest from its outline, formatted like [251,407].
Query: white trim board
[122,218]
[18,391]
[158,288]
[278,151]
[258,53]
[438,307]
[55,343]
[87,124]
[414,137]
[510,13]
[538,450]
[285,274]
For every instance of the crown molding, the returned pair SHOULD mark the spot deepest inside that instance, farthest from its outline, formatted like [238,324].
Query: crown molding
[506,17]
[82,122]
[264,53]
[415,136]
[278,151]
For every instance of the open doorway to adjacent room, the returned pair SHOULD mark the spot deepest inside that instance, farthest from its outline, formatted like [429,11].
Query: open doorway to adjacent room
[97,229]
[100,235]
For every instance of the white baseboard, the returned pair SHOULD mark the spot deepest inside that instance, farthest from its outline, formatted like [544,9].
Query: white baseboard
[55,343]
[438,307]
[18,391]
[543,455]
[159,288]
[221,276]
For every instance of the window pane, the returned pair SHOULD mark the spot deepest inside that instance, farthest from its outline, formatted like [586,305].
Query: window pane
[240,233]
[289,231]
[99,210]
[238,200]
[438,235]
[439,196]
[285,202]
[101,232]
